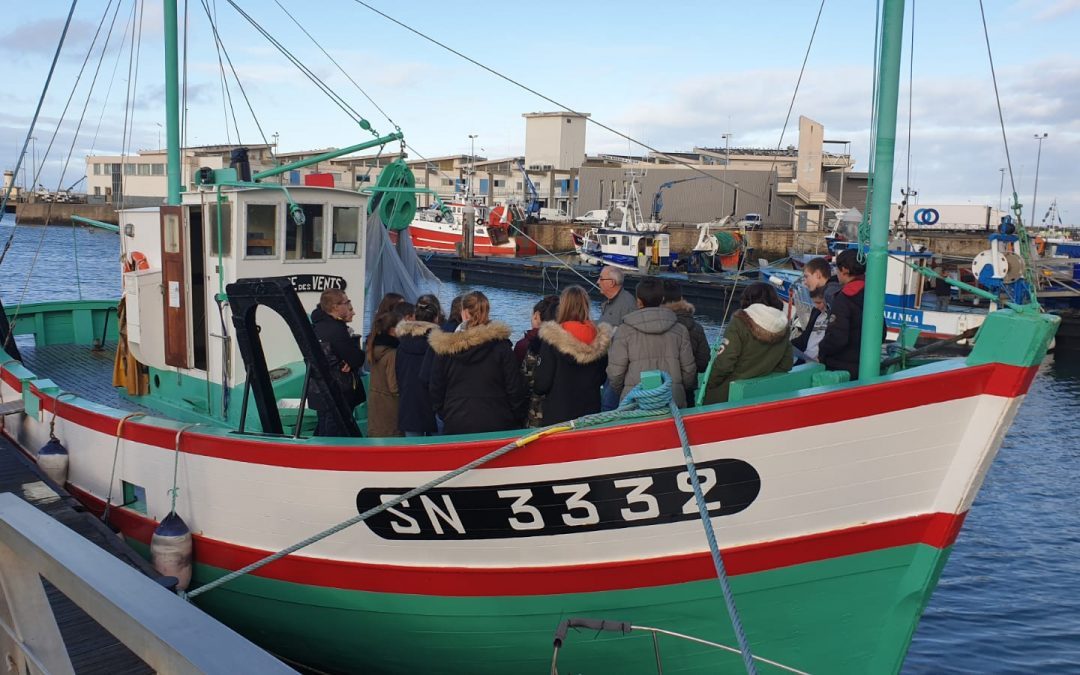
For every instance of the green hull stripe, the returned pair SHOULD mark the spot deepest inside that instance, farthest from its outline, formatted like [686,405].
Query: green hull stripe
[854,614]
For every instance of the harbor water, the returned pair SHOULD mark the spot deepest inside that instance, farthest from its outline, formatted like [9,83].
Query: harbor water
[1007,601]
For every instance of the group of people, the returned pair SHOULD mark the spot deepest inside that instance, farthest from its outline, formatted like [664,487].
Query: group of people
[459,373]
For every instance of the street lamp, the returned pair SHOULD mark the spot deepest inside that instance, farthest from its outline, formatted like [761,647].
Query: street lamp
[472,161]
[158,135]
[34,173]
[1038,157]
[727,160]
[1001,188]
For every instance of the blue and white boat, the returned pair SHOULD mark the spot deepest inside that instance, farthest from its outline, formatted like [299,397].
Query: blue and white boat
[626,240]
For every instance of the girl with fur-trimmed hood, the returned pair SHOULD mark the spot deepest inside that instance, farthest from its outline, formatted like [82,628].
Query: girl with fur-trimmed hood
[573,360]
[416,417]
[476,383]
[755,343]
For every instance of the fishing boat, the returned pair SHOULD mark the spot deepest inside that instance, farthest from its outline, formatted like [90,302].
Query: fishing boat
[626,239]
[835,503]
[439,229]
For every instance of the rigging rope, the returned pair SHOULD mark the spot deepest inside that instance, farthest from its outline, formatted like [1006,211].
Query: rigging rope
[326,89]
[863,232]
[129,103]
[671,158]
[638,404]
[1025,242]
[33,123]
[226,94]
[338,65]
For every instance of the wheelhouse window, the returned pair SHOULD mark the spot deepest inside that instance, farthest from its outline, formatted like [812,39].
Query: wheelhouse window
[262,230]
[210,217]
[346,231]
[305,242]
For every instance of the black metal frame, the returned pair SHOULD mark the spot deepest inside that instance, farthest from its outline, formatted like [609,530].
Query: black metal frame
[278,294]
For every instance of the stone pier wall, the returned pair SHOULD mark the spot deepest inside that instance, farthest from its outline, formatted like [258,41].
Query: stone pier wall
[60,214]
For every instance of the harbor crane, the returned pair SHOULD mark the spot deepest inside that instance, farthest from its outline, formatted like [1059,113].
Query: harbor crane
[658,199]
[532,207]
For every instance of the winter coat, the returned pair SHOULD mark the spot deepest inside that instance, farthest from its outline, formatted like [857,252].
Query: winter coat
[339,347]
[839,349]
[527,352]
[613,311]
[476,382]
[755,343]
[383,397]
[699,344]
[414,405]
[570,372]
[651,339]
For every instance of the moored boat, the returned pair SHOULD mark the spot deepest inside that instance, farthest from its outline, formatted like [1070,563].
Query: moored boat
[836,503]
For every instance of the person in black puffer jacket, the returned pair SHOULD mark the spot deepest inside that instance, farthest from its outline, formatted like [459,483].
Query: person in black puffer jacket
[476,383]
[839,349]
[343,355]
[573,360]
[416,416]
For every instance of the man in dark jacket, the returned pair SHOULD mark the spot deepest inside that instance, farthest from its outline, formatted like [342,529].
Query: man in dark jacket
[476,383]
[344,357]
[839,349]
[684,312]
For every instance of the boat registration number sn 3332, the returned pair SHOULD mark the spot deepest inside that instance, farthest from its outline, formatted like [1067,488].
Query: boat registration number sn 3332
[583,504]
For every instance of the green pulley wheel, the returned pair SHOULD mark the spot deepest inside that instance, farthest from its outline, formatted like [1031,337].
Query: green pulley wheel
[396,209]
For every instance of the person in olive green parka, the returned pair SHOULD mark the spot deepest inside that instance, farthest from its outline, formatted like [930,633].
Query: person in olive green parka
[755,343]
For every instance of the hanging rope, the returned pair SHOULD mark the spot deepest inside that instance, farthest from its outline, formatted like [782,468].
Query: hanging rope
[176,464]
[864,224]
[116,454]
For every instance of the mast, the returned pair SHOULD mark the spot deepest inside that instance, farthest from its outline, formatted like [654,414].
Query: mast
[172,106]
[873,319]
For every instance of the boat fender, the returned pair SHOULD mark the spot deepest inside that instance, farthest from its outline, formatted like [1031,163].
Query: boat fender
[170,550]
[53,460]
[139,261]
[438,217]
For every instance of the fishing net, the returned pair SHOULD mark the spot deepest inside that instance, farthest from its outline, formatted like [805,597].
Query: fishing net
[393,267]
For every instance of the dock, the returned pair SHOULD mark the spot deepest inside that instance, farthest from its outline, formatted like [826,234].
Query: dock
[549,275]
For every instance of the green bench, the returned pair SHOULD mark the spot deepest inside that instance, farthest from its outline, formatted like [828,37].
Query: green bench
[804,376]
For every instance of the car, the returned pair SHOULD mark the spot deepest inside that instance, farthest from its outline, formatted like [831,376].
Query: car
[751,221]
[594,217]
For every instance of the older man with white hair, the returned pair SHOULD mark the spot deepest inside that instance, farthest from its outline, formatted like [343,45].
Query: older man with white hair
[617,302]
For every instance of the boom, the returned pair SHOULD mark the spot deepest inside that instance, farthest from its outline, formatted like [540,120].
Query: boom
[658,200]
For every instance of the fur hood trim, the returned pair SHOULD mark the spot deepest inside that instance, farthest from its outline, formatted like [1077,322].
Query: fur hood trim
[414,328]
[565,343]
[766,324]
[449,344]
[680,307]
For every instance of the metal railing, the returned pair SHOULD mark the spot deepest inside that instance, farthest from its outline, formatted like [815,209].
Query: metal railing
[169,634]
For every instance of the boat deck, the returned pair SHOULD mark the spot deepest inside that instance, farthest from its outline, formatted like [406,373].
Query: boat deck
[77,369]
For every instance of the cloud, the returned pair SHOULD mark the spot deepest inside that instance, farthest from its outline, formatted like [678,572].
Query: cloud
[30,40]
[1057,9]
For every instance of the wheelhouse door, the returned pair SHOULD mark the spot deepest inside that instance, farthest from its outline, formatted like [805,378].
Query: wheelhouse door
[174,286]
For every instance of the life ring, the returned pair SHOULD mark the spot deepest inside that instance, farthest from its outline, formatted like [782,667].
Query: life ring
[927,216]
[139,261]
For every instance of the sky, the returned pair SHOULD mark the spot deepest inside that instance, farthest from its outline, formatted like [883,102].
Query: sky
[673,75]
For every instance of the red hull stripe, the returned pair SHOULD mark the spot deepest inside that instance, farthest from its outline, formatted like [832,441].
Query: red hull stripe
[447,242]
[720,425]
[938,530]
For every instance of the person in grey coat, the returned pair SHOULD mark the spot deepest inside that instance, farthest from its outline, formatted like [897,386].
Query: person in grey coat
[617,302]
[651,338]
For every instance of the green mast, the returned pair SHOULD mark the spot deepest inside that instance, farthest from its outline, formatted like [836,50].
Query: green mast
[888,86]
[172,106]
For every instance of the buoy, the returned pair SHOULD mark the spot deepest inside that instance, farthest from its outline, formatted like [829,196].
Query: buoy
[170,550]
[53,460]
[139,260]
